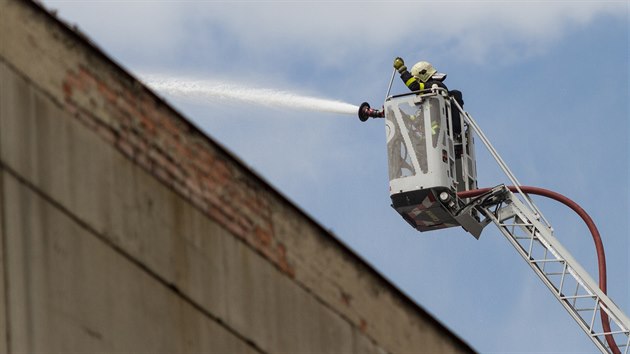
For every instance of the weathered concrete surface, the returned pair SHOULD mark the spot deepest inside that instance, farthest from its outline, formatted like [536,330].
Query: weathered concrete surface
[3,303]
[128,186]
[151,224]
[71,292]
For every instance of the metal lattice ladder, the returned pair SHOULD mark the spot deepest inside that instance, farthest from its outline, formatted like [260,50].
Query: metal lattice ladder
[531,234]
[567,280]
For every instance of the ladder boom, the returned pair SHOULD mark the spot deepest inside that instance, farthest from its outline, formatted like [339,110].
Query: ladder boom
[572,286]
[520,222]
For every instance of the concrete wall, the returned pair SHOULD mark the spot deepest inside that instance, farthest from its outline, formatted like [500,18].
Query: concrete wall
[125,228]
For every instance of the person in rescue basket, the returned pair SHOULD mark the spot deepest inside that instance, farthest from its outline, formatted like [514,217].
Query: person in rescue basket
[422,77]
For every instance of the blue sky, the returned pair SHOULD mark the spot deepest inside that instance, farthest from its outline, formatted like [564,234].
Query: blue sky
[548,82]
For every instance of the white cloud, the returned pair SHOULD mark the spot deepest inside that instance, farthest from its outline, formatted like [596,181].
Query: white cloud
[329,32]
[154,25]
[334,31]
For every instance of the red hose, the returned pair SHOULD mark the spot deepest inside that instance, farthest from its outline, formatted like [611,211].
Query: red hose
[599,246]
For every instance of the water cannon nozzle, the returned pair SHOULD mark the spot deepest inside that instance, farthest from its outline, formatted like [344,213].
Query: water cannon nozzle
[365,112]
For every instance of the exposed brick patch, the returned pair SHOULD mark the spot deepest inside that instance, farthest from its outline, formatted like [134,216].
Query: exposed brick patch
[282,257]
[263,236]
[140,127]
[363,325]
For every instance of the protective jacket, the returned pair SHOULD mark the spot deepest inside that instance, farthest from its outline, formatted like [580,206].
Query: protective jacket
[437,79]
[415,84]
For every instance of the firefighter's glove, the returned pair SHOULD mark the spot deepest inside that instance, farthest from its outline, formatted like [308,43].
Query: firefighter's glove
[399,64]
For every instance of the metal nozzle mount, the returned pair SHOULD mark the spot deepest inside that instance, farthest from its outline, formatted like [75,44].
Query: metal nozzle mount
[366,112]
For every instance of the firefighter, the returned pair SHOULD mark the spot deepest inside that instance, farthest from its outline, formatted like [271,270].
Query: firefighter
[423,76]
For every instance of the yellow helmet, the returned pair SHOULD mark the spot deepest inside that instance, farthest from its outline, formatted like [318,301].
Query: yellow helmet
[423,70]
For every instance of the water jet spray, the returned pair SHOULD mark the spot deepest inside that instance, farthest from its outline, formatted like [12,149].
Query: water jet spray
[221,91]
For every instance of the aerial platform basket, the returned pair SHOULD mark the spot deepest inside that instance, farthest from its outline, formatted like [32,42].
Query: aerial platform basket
[429,161]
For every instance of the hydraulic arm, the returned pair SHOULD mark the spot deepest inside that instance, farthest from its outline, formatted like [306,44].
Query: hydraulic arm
[560,272]
[526,229]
